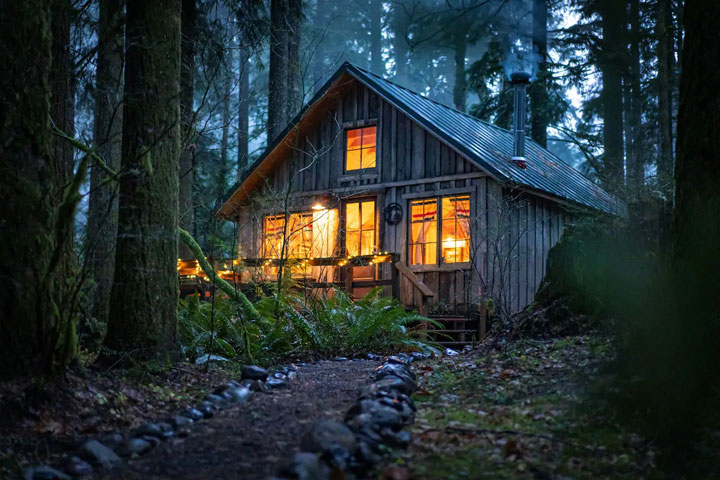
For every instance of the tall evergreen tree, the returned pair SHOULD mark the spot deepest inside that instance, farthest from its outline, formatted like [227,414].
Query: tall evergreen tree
[277,83]
[635,163]
[294,80]
[664,33]
[376,17]
[187,89]
[143,313]
[107,128]
[538,89]
[31,321]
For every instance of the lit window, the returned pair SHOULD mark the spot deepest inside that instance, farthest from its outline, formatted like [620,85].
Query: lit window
[453,229]
[423,232]
[456,229]
[360,148]
[299,234]
[360,228]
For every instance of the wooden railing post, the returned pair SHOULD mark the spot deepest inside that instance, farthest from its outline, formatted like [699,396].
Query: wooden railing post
[349,279]
[395,276]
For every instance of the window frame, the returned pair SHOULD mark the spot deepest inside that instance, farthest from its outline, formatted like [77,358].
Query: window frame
[343,222]
[440,263]
[345,149]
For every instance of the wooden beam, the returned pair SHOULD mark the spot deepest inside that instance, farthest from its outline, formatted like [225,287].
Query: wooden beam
[424,290]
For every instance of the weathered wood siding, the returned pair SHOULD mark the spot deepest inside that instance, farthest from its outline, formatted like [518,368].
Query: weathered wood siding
[511,231]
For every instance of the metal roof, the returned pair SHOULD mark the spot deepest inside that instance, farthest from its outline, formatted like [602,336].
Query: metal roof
[488,146]
[491,147]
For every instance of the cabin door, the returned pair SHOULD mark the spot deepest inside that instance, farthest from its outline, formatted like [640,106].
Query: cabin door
[361,238]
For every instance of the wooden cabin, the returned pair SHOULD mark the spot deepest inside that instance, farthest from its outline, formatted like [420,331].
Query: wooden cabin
[373,184]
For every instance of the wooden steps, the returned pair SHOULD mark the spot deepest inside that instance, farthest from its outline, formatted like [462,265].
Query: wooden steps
[456,332]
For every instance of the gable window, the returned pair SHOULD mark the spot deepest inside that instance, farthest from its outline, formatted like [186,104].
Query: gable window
[360,148]
[360,228]
[451,227]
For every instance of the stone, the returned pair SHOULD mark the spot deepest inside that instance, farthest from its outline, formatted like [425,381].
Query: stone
[372,356]
[208,409]
[112,439]
[258,386]
[177,421]
[157,430]
[394,359]
[279,375]
[276,383]
[43,472]
[136,446]
[340,359]
[237,394]
[77,467]
[395,438]
[253,372]
[193,414]
[98,454]
[391,382]
[451,353]
[217,400]
[399,370]
[365,454]
[292,375]
[331,439]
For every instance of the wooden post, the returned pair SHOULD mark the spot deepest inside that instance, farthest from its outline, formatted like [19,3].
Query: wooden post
[349,279]
[395,276]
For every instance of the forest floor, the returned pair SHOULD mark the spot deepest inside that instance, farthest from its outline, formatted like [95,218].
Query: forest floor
[252,441]
[521,410]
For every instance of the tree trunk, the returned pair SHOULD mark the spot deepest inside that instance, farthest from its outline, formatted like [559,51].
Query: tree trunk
[696,223]
[26,187]
[225,137]
[635,168]
[376,63]
[278,76]
[186,208]
[294,80]
[102,211]
[611,65]
[538,89]
[243,105]
[400,46]
[460,86]
[320,24]
[665,82]
[143,313]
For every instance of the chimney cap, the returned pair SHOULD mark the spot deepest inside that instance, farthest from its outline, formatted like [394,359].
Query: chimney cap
[520,77]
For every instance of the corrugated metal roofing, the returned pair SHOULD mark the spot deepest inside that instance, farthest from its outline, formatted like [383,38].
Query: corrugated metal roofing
[487,145]
[491,147]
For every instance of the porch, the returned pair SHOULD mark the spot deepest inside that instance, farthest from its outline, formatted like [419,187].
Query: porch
[355,275]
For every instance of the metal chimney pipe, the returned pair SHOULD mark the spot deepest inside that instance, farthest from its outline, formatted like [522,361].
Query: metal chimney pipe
[519,80]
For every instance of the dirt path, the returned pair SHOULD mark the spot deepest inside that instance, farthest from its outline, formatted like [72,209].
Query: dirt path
[254,440]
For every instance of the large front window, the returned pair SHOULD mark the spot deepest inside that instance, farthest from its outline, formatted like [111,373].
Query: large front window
[452,227]
[360,151]
[360,228]
[307,234]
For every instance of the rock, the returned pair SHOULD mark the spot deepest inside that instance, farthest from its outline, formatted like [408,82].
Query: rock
[340,359]
[154,441]
[77,467]
[177,421]
[450,352]
[208,409]
[328,434]
[292,375]
[397,439]
[365,454]
[98,454]
[279,376]
[217,400]
[136,446]
[258,386]
[237,394]
[293,368]
[44,472]
[394,359]
[308,466]
[253,372]
[391,382]
[157,430]
[372,356]
[419,355]
[112,439]
[398,370]
[276,383]
[193,414]
[203,359]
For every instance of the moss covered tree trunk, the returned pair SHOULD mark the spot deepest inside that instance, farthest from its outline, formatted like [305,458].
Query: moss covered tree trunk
[187,88]
[143,302]
[102,212]
[696,223]
[27,315]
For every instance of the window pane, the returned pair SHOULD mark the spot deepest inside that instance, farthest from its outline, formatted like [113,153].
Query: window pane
[354,139]
[367,242]
[368,215]
[352,216]
[423,231]
[416,254]
[430,253]
[353,243]
[353,160]
[368,157]
[369,137]
[455,241]
[416,233]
